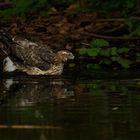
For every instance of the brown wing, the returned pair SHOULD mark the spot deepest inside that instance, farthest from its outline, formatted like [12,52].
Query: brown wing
[31,54]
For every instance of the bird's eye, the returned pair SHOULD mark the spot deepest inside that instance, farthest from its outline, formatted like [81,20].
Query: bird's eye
[4,61]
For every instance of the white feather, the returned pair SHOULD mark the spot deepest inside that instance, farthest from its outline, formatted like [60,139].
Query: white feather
[8,83]
[8,65]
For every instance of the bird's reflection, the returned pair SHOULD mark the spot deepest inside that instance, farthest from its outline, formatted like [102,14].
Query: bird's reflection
[30,92]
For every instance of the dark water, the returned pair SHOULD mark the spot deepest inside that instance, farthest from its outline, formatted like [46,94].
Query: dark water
[70,108]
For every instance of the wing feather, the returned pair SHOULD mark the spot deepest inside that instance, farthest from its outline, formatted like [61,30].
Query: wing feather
[31,54]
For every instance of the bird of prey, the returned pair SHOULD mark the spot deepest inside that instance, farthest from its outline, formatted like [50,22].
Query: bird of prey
[33,58]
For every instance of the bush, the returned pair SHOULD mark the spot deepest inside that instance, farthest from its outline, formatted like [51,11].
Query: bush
[23,7]
[105,7]
[100,50]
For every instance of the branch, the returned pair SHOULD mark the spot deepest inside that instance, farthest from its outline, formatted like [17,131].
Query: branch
[110,37]
[118,19]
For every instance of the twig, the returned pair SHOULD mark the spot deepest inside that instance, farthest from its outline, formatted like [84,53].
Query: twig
[110,20]
[110,37]
[114,29]
[118,19]
[29,127]
[86,44]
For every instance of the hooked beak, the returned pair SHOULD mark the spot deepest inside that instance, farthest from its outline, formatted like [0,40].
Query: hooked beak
[71,56]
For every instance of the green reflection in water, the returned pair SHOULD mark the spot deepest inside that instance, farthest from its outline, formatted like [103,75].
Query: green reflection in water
[61,109]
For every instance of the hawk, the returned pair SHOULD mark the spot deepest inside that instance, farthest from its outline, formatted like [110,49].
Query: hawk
[33,58]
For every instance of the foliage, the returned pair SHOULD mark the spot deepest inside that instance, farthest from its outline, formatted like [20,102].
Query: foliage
[99,50]
[24,6]
[107,7]
[133,28]
[60,4]
[104,7]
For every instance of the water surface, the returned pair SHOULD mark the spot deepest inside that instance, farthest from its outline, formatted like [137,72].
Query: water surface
[70,108]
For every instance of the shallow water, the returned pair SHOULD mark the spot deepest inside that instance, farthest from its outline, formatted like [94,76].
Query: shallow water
[70,107]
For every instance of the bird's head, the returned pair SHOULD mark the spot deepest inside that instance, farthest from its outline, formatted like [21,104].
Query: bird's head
[63,56]
[6,42]
[6,39]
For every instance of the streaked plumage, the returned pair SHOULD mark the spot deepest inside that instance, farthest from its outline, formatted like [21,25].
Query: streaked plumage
[31,57]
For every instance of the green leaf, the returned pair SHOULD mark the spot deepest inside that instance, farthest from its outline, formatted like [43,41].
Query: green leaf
[113,51]
[83,51]
[129,4]
[114,58]
[113,87]
[93,51]
[136,32]
[23,6]
[105,52]
[129,24]
[124,62]
[107,62]
[123,50]
[99,43]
